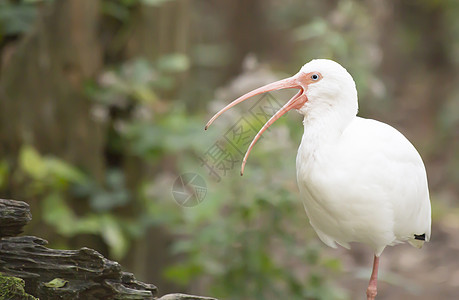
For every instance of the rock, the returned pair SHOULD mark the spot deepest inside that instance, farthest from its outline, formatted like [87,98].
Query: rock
[14,215]
[83,274]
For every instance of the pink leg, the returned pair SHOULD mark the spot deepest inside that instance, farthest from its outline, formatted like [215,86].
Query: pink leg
[371,290]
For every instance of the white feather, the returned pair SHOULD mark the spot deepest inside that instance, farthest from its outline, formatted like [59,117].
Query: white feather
[361,180]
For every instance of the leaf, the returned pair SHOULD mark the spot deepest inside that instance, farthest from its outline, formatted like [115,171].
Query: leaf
[56,283]
[115,195]
[155,2]
[144,94]
[57,213]
[115,10]
[64,171]
[211,55]
[32,163]
[4,173]
[174,63]
[312,30]
[182,274]
[103,201]
[115,179]
[16,19]
[333,264]
[114,237]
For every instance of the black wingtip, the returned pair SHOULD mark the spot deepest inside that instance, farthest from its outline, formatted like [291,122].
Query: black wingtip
[421,237]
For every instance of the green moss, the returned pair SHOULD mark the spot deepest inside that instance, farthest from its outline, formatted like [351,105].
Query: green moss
[13,288]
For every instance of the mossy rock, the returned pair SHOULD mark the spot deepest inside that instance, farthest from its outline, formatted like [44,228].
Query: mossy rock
[12,288]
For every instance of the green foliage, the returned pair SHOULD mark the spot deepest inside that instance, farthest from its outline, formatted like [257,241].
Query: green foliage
[16,17]
[48,170]
[56,283]
[54,181]
[138,80]
[105,198]
[348,36]
[133,80]
[155,2]
[239,239]
[120,9]
[173,63]
[247,253]
[13,288]
[4,172]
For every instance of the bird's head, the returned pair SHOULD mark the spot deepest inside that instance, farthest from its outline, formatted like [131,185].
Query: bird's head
[323,85]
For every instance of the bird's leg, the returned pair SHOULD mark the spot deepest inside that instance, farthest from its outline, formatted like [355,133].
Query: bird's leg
[371,290]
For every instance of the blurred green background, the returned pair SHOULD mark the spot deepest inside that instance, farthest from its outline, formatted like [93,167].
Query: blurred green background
[103,105]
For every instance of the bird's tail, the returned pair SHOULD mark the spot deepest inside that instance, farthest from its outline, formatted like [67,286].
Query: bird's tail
[416,243]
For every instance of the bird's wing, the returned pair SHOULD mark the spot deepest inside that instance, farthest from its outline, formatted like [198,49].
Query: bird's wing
[369,186]
[387,161]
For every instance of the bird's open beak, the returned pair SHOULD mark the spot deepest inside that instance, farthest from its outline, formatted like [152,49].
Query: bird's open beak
[299,81]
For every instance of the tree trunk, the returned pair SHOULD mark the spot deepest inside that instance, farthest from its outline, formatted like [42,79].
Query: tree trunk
[40,88]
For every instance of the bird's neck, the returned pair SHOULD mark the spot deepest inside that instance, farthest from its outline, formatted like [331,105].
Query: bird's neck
[324,125]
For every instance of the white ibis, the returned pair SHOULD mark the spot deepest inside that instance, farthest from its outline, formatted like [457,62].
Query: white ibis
[360,180]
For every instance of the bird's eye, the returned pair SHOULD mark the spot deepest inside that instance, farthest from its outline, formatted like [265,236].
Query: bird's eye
[315,76]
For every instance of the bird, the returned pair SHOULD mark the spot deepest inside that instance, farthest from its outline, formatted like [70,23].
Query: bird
[360,180]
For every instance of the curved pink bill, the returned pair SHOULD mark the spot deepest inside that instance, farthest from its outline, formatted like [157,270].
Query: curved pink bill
[294,103]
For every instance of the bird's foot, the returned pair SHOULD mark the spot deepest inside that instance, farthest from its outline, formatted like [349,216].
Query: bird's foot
[371,292]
